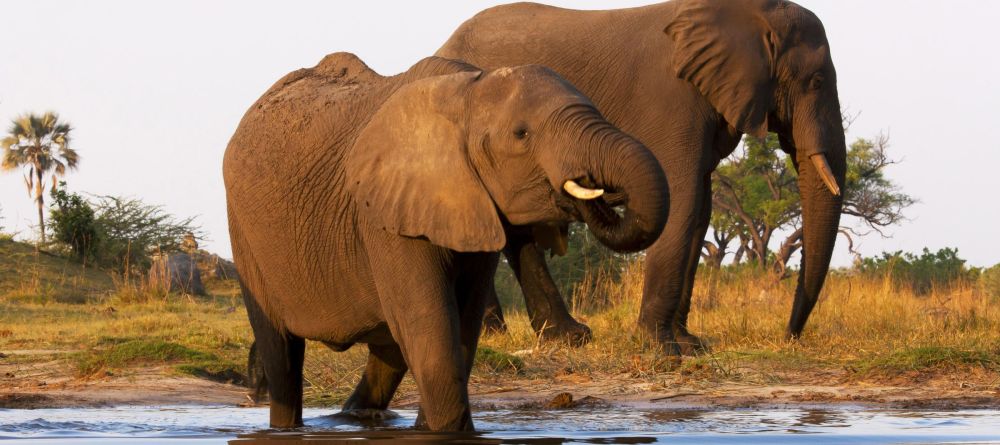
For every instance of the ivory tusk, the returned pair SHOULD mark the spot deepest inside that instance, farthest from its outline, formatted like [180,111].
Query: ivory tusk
[580,192]
[823,169]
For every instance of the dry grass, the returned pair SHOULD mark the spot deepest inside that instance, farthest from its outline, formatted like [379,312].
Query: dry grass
[862,328]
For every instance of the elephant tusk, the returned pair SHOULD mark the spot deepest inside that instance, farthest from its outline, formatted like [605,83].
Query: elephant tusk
[580,192]
[823,168]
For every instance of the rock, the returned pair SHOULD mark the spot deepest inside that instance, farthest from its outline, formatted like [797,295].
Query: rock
[563,400]
[176,272]
[213,266]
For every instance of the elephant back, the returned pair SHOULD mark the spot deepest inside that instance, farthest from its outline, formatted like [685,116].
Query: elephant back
[311,116]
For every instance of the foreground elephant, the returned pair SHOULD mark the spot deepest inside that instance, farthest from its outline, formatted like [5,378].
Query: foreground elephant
[687,78]
[370,209]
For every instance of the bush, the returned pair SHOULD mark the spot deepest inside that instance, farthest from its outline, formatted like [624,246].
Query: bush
[923,273]
[131,231]
[989,282]
[72,222]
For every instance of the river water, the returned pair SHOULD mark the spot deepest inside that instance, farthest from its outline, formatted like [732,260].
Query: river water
[190,425]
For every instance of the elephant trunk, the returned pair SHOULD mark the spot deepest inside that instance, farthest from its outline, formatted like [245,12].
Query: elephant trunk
[821,179]
[627,169]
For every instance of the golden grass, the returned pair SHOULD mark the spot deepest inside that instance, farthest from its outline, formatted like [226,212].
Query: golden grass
[863,325]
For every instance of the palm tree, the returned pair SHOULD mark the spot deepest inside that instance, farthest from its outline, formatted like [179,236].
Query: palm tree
[40,143]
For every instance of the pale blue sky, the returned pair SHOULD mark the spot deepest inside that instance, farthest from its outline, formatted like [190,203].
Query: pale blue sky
[155,89]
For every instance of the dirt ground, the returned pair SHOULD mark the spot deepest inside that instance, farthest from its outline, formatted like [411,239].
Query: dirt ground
[40,379]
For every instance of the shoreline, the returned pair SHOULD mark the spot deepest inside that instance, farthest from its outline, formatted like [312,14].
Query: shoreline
[152,387]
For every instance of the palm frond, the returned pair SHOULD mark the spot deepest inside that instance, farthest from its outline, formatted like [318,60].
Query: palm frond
[9,141]
[62,128]
[22,126]
[12,159]
[60,168]
[36,126]
[70,155]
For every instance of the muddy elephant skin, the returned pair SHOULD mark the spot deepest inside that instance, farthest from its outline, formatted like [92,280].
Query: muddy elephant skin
[371,209]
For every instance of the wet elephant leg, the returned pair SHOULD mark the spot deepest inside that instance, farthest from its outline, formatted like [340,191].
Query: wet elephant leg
[414,283]
[546,309]
[385,369]
[690,344]
[472,292]
[283,355]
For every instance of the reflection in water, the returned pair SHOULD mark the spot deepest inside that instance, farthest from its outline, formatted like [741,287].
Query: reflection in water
[821,417]
[244,426]
[420,438]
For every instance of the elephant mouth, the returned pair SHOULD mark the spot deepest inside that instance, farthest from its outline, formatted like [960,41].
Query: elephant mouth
[580,192]
[579,198]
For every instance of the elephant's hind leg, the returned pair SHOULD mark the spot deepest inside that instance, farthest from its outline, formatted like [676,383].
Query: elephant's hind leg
[385,369]
[282,354]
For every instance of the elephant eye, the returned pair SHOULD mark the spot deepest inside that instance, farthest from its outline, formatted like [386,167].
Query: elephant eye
[521,133]
[816,82]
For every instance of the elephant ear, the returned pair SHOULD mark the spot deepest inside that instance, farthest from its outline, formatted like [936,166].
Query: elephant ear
[409,172]
[727,50]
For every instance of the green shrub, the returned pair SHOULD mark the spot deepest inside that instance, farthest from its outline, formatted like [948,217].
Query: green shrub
[72,221]
[922,273]
[131,231]
[989,282]
[133,352]
[497,361]
[927,357]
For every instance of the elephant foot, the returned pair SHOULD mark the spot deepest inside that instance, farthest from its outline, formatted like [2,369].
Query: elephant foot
[572,332]
[369,414]
[658,339]
[689,344]
[365,417]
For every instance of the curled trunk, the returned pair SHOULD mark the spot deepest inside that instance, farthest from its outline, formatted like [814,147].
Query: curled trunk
[632,174]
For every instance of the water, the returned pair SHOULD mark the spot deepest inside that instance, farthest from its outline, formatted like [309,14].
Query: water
[191,425]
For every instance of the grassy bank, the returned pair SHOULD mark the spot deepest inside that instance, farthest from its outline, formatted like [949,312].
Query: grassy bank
[864,329]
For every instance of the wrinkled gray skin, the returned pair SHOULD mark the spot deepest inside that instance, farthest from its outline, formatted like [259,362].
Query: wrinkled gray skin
[370,209]
[688,78]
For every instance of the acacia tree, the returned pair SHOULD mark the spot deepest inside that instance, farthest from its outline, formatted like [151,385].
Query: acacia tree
[756,195]
[40,144]
[725,230]
[871,200]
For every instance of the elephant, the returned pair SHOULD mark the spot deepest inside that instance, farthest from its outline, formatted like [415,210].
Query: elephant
[687,78]
[371,209]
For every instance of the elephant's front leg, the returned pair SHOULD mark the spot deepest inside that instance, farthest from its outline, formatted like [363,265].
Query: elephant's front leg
[414,283]
[690,344]
[472,291]
[546,309]
[667,264]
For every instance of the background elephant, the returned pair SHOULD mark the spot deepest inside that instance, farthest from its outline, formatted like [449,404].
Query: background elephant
[688,78]
[372,209]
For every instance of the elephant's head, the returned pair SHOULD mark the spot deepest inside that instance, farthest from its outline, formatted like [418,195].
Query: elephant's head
[451,158]
[765,65]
